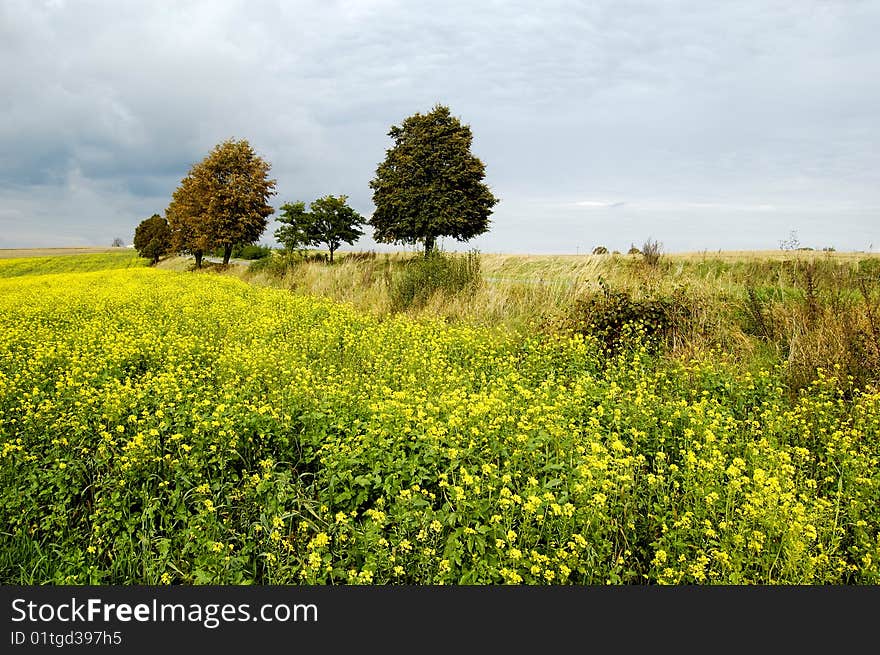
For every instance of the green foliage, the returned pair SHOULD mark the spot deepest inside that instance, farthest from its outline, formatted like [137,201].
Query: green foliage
[54,265]
[292,234]
[613,317]
[251,251]
[248,251]
[422,277]
[331,221]
[600,250]
[222,201]
[430,185]
[152,238]
[149,435]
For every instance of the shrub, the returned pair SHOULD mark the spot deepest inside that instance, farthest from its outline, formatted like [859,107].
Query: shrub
[633,250]
[276,264]
[600,250]
[651,253]
[614,317]
[251,251]
[245,251]
[438,272]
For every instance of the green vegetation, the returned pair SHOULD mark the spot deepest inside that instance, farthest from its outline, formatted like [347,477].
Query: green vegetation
[436,274]
[430,185]
[152,238]
[331,222]
[800,311]
[249,251]
[150,435]
[535,420]
[16,267]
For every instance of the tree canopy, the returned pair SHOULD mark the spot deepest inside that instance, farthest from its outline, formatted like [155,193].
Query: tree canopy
[430,184]
[152,238]
[222,201]
[331,221]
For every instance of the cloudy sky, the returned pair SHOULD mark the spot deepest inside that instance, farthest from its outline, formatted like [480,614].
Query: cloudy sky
[703,125]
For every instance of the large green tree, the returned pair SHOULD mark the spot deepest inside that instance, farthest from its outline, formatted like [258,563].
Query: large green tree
[331,221]
[222,201]
[152,238]
[430,184]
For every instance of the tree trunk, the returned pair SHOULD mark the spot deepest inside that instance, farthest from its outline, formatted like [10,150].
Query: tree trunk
[227,253]
[429,244]
[198,255]
[331,253]
[155,260]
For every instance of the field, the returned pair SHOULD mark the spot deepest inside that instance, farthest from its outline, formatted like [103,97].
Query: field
[56,263]
[708,420]
[18,253]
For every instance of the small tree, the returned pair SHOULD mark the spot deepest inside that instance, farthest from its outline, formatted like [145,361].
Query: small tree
[222,201]
[152,238]
[117,243]
[652,252]
[331,221]
[430,185]
[600,250]
[292,233]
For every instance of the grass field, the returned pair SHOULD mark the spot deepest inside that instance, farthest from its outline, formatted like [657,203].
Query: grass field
[18,253]
[161,426]
[81,263]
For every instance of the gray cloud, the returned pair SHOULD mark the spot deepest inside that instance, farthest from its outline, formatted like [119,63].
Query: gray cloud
[706,125]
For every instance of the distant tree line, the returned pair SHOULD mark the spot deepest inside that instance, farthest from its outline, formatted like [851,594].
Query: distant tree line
[429,186]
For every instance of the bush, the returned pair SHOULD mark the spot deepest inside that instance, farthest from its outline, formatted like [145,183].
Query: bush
[651,253]
[439,272]
[252,251]
[614,317]
[600,250]
[633,250]
[245,251]
[276,264]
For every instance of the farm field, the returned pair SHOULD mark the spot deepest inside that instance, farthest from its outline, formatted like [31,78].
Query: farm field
[17,253]
[73,262]
[161,426]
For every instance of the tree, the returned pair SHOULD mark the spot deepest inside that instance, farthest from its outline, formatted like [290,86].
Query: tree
[331,221]
[430,185]
[186,216]
[152,238]
[117,243]
[222,201]
[292,233]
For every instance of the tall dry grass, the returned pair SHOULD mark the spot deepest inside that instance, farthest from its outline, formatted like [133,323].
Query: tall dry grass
[800,310]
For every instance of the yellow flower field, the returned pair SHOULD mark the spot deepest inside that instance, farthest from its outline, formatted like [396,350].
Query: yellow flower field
[164,427]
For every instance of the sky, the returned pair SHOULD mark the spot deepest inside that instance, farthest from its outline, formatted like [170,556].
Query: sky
[701,125]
